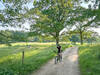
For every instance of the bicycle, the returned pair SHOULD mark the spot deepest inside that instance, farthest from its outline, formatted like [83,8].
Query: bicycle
[58,58]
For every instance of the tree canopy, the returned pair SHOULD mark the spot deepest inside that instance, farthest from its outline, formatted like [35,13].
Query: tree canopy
[51,17]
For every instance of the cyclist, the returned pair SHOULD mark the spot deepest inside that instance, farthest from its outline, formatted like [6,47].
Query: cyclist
[59,52]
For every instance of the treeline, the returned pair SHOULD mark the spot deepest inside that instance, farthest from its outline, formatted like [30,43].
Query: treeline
[7,37]
[89,37]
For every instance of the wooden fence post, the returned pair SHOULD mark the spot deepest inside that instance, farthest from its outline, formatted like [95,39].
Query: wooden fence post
[22,57]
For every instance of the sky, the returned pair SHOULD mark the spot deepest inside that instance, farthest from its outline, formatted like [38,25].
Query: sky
[30,5]
[1,6]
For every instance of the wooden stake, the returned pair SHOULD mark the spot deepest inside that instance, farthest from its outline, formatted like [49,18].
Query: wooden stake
[22,57]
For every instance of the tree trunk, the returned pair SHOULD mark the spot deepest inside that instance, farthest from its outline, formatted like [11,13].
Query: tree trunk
[91,42]
[57,41]
[81,38]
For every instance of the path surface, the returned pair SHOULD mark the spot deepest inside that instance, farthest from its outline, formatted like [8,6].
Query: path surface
[69,65]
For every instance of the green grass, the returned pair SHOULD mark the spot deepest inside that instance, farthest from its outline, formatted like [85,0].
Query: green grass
[35,56]
[89,59]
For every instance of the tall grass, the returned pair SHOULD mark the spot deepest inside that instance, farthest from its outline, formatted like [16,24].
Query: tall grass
[89,58]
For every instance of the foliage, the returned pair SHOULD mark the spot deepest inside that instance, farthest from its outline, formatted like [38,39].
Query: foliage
[89,59]
[19,36]
[94,9]
[50,17]
[74,39]
[65,38]
[12,14]
[91,36]
[8,37]
[83,21]
[5,37]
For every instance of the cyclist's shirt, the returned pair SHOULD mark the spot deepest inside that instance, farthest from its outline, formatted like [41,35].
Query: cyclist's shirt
[59,49]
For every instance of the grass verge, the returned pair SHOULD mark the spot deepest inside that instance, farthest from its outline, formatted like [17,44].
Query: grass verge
[89,59]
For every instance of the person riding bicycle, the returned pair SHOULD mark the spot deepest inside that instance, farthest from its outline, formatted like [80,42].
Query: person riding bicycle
[59,51]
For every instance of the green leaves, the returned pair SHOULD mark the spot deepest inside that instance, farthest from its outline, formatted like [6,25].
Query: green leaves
[3,0]
[47,1]
[34,2]
[2,18]
[51,16]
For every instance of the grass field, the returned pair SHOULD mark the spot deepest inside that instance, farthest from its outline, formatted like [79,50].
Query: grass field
[89,58]
[35,56]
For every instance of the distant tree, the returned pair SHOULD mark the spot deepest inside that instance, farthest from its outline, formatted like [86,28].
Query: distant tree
[74,39]
[5,37]
[91,36]
[65,38]
[19,36]
[82,21]
[36,39]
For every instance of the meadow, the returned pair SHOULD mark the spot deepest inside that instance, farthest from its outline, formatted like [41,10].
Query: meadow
[89,59]
[35,56]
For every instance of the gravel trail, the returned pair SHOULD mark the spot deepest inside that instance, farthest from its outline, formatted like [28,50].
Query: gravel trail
[68,66]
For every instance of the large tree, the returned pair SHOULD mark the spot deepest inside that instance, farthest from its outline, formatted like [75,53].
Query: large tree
[50,17]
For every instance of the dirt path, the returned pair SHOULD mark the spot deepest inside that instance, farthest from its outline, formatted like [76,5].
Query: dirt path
[69,65]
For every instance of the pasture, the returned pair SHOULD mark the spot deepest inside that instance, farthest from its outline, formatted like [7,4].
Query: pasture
[35,56]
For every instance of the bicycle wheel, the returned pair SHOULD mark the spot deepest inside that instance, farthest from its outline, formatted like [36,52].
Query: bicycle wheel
[60,58]
[56,60]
